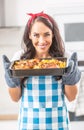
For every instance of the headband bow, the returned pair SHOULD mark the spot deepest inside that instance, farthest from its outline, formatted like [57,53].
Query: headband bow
[33,16]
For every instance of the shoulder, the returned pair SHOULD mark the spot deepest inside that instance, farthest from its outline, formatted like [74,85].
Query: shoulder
[17,55]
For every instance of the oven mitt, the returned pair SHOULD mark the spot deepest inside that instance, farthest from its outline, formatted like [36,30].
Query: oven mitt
[11,81]
[73,74]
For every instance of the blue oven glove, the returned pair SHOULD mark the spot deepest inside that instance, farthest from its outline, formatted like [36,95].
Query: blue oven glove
[73,74]
[11,81]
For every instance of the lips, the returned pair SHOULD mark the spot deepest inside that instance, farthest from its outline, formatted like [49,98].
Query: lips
[42,46]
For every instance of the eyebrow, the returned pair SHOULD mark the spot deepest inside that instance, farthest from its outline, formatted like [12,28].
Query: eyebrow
[44,33]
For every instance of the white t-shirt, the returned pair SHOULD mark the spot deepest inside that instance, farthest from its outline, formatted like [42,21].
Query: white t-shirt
[18,54]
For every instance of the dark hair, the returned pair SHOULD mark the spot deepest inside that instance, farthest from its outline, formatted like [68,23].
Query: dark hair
[57,48]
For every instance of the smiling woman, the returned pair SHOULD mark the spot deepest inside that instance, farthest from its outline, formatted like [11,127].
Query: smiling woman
[42,97]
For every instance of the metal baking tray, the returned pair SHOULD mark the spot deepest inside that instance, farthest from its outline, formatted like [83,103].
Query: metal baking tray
[39,72]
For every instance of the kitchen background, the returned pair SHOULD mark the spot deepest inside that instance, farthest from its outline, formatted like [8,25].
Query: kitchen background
[69,15]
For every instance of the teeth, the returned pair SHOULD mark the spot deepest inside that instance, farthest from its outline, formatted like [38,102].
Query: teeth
[42,46]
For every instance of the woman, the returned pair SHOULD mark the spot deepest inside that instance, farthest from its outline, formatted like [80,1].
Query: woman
[43,104]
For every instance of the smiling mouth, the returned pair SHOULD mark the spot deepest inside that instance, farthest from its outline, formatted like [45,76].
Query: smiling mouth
[42,46]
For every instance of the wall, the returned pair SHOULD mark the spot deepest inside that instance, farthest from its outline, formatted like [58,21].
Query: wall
[15,13]
[11,17]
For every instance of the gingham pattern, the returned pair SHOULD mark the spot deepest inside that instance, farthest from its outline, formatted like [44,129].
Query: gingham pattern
[43,106]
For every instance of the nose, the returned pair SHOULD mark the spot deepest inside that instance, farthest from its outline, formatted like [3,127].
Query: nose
[41,39]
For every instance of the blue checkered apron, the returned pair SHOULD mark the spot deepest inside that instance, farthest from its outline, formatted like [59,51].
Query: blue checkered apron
[42,105]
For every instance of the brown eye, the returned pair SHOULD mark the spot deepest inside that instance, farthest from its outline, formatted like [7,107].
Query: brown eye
[47,34]
[36,35]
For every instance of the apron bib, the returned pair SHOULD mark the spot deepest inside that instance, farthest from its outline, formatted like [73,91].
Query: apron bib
[42,105]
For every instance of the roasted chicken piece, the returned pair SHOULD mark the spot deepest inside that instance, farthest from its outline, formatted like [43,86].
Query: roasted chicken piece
[39,64]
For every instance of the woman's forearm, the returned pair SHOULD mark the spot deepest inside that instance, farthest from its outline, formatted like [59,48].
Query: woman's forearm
[71,92]
[15,93]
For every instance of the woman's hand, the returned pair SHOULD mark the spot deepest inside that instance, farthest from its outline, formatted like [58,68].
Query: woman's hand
[11,81]
[73,74]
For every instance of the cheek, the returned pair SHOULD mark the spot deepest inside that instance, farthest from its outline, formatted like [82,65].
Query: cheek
[50,40]
[34,42]
[32,39]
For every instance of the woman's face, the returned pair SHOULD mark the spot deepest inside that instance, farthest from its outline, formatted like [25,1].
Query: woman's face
[41,37]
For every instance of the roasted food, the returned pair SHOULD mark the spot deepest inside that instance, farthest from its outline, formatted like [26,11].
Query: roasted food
[38,64]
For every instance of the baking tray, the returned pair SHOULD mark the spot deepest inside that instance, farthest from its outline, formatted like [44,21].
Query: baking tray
[39,72]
